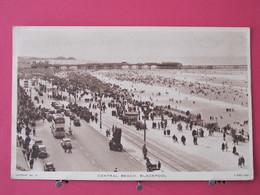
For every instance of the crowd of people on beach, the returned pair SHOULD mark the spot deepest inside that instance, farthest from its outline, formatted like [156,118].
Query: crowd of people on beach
[209,89]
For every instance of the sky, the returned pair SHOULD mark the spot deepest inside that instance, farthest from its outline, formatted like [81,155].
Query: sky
[136,44]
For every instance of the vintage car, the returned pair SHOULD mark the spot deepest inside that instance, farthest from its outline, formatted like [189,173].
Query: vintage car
[49,116]
[42,151]
[66,143]
[76,122]
[113,145]
[72,116]
[67,112]
[115,142]
[48,166]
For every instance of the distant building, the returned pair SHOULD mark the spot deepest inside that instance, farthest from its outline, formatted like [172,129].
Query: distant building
[98,66]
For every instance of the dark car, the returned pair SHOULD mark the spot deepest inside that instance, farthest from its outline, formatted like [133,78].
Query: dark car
[67,112]
[77,122]
[48,166]
[40,93]
[42,152]
[72,116]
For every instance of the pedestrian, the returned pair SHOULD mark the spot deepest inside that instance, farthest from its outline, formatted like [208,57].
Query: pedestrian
[239,162]
[242,161]
[34,131]
[234,150]
[159,165]
[224,137]
[226,146]
[115,170]
[174,138]
[195,140]
[183,140]
[223,146]
[31,162]
[65,149]
[164,132]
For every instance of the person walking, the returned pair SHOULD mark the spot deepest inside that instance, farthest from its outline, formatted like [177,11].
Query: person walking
[234,150]
[183,140]
[239,162]
[223,147]
[164,132]
[34,132]
[242,161]
[226,146]
[195,140]
[31,162]
[159,165]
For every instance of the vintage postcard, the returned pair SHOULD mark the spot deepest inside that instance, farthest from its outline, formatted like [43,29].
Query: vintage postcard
[131,103]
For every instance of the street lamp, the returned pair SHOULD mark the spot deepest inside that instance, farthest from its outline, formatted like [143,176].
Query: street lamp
[100,112]
[144,131]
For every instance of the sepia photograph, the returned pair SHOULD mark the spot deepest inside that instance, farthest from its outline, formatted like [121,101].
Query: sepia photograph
[131,103]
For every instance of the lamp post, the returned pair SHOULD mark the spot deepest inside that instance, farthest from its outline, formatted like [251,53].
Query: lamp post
[100,115]
[144,131]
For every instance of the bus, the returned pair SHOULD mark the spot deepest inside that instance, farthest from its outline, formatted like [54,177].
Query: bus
[58,125]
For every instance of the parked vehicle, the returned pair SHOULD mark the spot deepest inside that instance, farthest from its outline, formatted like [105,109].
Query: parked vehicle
[42,151]
[76,122]
[72,116]
[67,112]
[48,166]
[66,143]
[115,142]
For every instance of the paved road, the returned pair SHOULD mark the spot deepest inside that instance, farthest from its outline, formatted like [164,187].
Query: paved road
[90,148]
